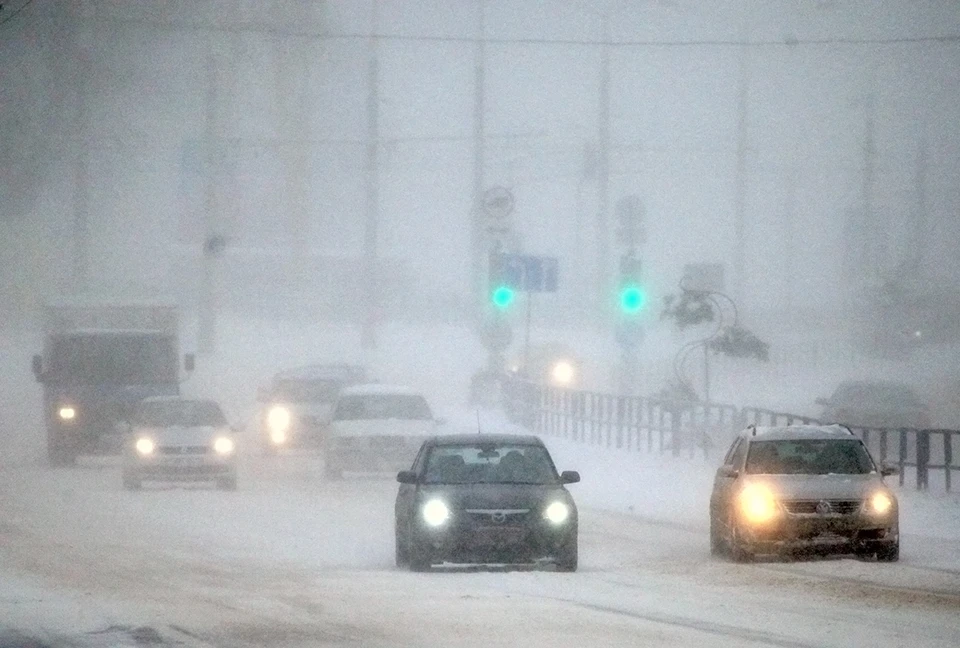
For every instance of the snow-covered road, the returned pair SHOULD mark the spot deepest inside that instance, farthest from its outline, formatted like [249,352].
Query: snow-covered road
[292,561]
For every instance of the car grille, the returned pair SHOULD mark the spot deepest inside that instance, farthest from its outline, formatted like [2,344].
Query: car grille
[183,450]
[809,507]
[498,517]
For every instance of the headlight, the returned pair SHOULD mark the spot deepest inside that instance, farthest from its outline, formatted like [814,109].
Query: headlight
[558,512]
[223,445]
[757,504]
[562,373]
[278,418]
[67,413]
[435,512]
[881,503]
[278,437]
[145,446]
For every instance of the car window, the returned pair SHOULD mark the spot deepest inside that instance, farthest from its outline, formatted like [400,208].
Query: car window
[809,457]
[382,406]
[307,391]
[731,453]
[489,464]
[179,413]
[736,457]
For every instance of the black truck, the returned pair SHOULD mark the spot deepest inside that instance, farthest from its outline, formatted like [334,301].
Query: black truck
[99,360]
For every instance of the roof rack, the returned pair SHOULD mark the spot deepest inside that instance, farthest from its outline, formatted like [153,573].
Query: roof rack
[753,429]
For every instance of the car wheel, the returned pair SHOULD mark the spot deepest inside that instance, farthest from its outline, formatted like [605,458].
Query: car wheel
[417,557]
[567,560]
[400,554]
[738,552]
[131,482]
[889,553]
[716,542]
[59,454]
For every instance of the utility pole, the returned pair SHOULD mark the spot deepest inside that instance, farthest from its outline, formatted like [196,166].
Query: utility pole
[918,240]
[870,231]
[740,189]
[213,152]
[477,237]
[370,301]
[81,172]
[603,175]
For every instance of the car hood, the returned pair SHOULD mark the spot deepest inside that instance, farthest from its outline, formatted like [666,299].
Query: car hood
[305,408]
[176,435]
[817,487]
[497,496]
[384,427]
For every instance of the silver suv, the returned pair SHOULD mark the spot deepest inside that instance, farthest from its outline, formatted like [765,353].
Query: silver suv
[799,489]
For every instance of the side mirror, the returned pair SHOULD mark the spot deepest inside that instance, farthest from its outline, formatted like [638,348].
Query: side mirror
[888,470]
[189,362]
[569,477]
[37,366]
[407,477]
[728,472]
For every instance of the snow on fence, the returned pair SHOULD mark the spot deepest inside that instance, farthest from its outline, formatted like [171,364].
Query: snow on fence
[679,428]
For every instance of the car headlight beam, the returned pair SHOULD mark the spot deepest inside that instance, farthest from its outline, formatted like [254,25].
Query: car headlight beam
[435,512]
[67,413]
[278,418]
[757,504]
[562,373]
[881,503]
[223,445]
[557,513]
[278,437]
[145,446]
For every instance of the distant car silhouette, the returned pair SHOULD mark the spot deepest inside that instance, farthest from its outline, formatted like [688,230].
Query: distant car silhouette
[875,404]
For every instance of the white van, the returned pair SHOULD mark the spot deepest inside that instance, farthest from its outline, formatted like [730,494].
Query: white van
[376,428]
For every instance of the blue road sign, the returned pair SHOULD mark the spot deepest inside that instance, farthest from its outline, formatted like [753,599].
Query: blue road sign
[529,273]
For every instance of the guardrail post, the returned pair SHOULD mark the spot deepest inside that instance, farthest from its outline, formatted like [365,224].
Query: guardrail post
[621,414]
[883,446]
[947,457]
[902,459]
[675,434]
[923,459]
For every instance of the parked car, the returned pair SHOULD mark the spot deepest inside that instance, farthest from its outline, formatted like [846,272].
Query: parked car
[376,428]
[802,488]
[296,406]
[485,498]
[175,439]
[877,403]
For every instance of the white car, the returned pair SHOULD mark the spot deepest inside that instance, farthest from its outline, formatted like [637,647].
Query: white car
[173,439]
[377,428]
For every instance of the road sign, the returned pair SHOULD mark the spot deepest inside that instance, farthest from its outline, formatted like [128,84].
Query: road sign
[497,205]
[526,272]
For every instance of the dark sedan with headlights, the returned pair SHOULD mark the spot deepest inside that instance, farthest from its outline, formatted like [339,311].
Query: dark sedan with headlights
[173,439]
[485,498]
[802,488]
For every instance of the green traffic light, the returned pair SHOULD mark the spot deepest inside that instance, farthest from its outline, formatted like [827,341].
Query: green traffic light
[632,299]
[503,297]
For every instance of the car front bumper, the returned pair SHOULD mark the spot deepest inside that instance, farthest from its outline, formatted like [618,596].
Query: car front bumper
[180,468]
[466,543]
[791,533]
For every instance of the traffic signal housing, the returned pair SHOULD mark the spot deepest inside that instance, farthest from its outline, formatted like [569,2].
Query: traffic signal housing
[632,296]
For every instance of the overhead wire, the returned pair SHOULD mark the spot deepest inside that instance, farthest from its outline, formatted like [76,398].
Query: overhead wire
[5,19]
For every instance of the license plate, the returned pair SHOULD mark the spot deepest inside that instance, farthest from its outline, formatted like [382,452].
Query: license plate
[497,537]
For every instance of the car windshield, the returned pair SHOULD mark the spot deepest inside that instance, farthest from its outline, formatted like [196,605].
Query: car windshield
[361,407]
[179,413]
[307,391]
[118,359]
[489,464]
[809,456]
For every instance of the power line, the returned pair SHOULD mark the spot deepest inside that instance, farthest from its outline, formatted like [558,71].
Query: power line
[4,21]
[246,27]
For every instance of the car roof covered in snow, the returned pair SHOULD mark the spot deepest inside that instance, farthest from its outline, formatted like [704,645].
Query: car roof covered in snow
[342,371]
[370,389]
[798,432]
[485,438]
